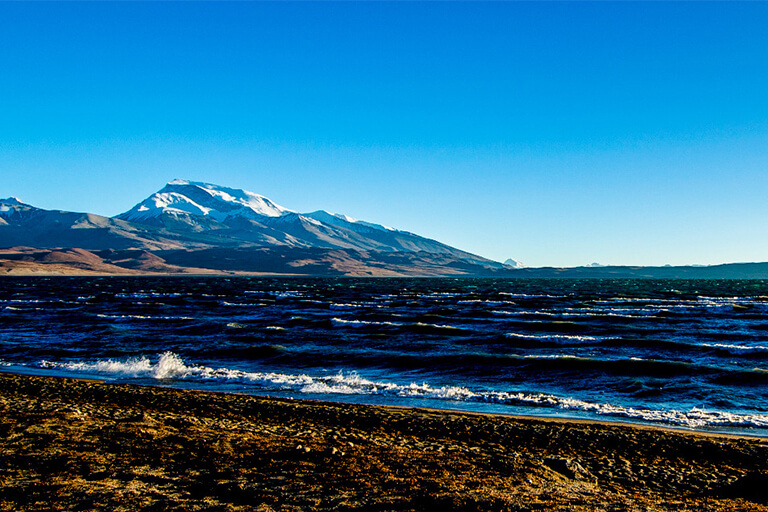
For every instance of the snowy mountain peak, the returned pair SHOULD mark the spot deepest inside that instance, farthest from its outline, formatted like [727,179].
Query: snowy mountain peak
[247,218]
[513,263]
[226,199]
[10,205]
[182,197]
[207,222]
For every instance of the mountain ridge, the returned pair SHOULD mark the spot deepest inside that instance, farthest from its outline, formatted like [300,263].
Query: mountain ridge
[243,215]
[202,219]
[199,228]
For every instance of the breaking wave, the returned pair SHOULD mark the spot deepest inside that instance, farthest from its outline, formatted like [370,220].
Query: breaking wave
[171,366]
[601,348]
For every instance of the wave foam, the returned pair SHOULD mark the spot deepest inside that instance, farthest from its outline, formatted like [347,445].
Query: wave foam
[694,418]
[147,295]
[170,366]
[144,317]
[738,348]
[237,304]
[362,323]
[345,306]
[558,337]
[486,302]
[532,296]
[368,323]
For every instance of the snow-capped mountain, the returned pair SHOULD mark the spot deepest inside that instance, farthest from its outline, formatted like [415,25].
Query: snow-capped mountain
[12,207]
[26,225]
[184,200]
[181,198]
[205,208]
[8,208]
[5,204]
[513,263]
[203,227]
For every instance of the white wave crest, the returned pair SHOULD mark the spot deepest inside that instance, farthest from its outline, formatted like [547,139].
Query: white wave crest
[237,304]
[557,337]
[439,326]
[144,317]
[362,323]
[738,348]
[532,296]
[171,366]
[147,295]
[346,306]
[487,302]
[588,314]
[524,313]
[694,418]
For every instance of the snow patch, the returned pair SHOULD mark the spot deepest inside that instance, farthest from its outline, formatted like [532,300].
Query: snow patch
[180,197]
[345,221]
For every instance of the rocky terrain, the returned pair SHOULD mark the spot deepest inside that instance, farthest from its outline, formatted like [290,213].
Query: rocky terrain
[85,445]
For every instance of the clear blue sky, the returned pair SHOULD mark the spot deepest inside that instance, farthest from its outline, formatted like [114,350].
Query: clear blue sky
[553,133]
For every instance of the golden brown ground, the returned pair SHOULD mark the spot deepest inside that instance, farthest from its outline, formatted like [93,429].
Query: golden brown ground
[83,445]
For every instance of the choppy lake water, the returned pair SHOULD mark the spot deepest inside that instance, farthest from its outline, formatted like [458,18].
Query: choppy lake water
[683,353]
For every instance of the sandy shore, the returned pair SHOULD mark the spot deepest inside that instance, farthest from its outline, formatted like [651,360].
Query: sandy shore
[84,445]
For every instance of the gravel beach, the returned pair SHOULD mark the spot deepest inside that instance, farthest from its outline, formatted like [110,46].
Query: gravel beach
[69,444]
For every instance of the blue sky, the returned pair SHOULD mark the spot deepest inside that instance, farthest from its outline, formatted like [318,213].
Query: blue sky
[555,133]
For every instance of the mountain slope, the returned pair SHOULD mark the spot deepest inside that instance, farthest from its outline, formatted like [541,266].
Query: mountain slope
[184,199]
[241,215]
[30,226]
[205,229]
[202,228]
[383,238]
[26,225]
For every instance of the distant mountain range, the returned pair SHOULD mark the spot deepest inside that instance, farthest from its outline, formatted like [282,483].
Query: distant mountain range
[201,228]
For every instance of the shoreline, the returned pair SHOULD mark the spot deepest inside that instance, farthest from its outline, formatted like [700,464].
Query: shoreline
[588,422]
[566,418]
[80,443]
[20,261]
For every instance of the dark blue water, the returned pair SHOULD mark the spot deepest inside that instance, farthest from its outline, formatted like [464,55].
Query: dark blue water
[685,353]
